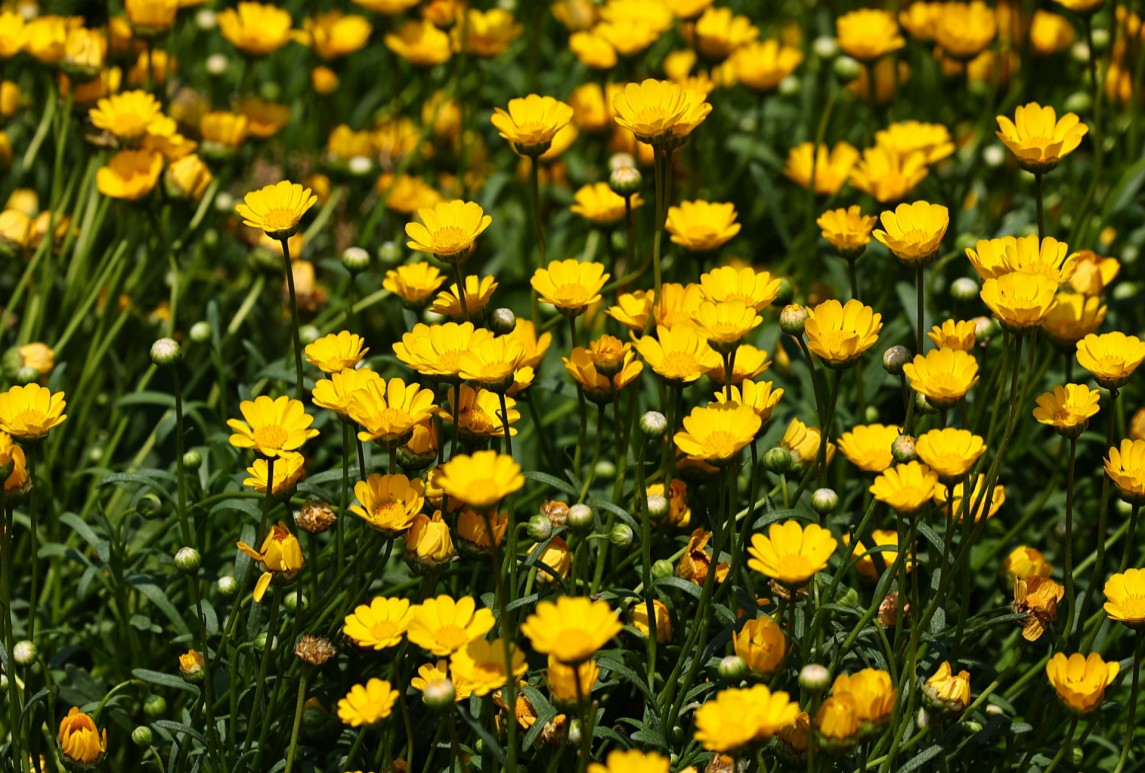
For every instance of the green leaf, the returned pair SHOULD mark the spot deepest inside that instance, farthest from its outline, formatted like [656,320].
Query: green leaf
[156,596]
[920,759]
[164,680]
[627,674]
[552,481]
[76,524]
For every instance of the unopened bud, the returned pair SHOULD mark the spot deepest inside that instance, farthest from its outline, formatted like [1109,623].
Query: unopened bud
[141,736]
[895,358]
[502,321]
[790,86]
[166,351]
[620,161]
[658,506]
[574,731]
[871,414]
[922,719]
[902,449]
[653,424]
[605,469]
[1100,39]
[732,668]
[825,47]
[923,405]
[192,460]
[439,694]
[308,334]
[201,332]
[389,253]
[149,504]
[580,517]
[625,181]
[663,568]
[188,560]
[824,501]
[155,706]
[621,535]
[964,289]
[27,375]
[814,678]
[793,319]
[25,652]
[227,585]
[355,259]
[540,528]
[777,460]
[294,600]
[846,69]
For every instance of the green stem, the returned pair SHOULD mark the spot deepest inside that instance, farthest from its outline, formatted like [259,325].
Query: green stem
[1070,587]
[293,318]
[1102,527]
[1039,194]
[180,468]
[264,668]
[1130,726]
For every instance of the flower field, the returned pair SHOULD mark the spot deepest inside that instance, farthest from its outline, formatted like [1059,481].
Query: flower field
[594,386]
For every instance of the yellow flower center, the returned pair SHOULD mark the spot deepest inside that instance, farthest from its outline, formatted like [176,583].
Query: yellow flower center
[568,295]
[270,436]
[279,220]
[838,341]
[678,365]
[451,637]
[794,566]
[384,629]
[27,420]
[449,239]
[719,445]
[477,421]
[1110,365]
[1132,608]
[388,513]
[944,384]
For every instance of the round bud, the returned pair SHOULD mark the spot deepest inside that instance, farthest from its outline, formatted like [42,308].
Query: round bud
[894,358]
[824,501]
[994,710]
[1078,102]
[605,469]
[294,600]
[580,517]
[964,289]
[658,506]
[1076,754]
[902,449]
[972,727]
[227,585]
[389,253]
[502,321]
[155,706]
[95,454]
[777,460]
[653,424]
[814,678]
[923,405]
[663,568]
[732,668]
[574,732]
[625,180]
[25,652]
[188,560]
[793,319]
[985,326]
[789,86]
[141,736]
[871,414]
[1123,507]
[218,64]
[355,259]
[439,694]
[192,459]
[621,535]
[825,47]
[308,334]
[922,719]
[3,682]
[166,351]
[848,598]
[994,155]
[1080,53]
[620,161]
[1129,254]
[846,69]
[201,332]
[149,504]
[1124,290]
[1100,39]
[360,166]
[27,375]
[261,640]
[539,527]
[205,20]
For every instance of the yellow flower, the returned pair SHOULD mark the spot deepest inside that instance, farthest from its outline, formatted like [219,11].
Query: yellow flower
[256,29]
[276,209]
[837,722]
[870,564]
[568,684]
[695,563]
[830,168]
[728,284]
[1073,317]
[593,49]
[388,502]
[1025,562]
[956,335]
[129,174]
[906,137]
[631,761]
[726,323]
[435,350]
[946,691]
[428,543]
[1067,408]
[379,624]
[486,33]
[333,34]
[288,470]
[336,351]
[758,396]
[1048,257]
[448,230]
[473,530]
[944,376]
[749,363]
[334,393]
[679,514]
[678,353]
[46,36]
[481,665]
[13,459]
[1037,598]
[478,292]
[677,304]
[481,480]
[1093,273]
[438,672]
[719,32]
[367,704]
[572,628]
[128,116]
[602,382]
[761,644]
[387,411]
[187,177]
[1080,680]
[535,346]
[803,443]
[847,230]
[1038,138]
[739,717]
[414,283]
[950,500]
[192,665]
[701,225]
[869,447]
[598,203]
[718,432]
[479,413]
[687,9]
[85,52]
[13,32]
[1125,466]
[919,19]
[80,740]
[633,309]
[964,30]
[1111,357]
[1020,301]
[905,488]
[492,363]
[1081,6]
[660,113]
[569,284]
[791,554]
[873,693]
[639,614]
[443,626]
[887,175]
[280,556]
[223,131]
[762,66]
[1050,33]
[272,427]
[868,34]
[419,42]
[531,122]
[1125,597]
[264,119]
[557,561]
[949,452]
[387,7]
[840,333]
[914,231]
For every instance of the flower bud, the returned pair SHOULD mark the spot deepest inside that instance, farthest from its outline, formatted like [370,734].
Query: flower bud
[315,517]
[902,449]
[625,181]
[605,469]
[192,667]
[539,528]
[922,719]
[894,358]
[621,535]
[972,727]
[871,414]
[790,86]
[187,560]
[580,517]
[141,736]
[192,460]
[308,334]
[261,640]
[155,706]
[964,289]
[25,652]
[27,375]
[355,259]
[777,460]
[653,424]
[201,332]
[574,731]
[923,405]
[824,501]
[390,253]
[218,64]
[994,155]
[166,351]
[294,600]
[1078,101]
[227,585]
[620,161]
[825,47]
[502,321]
[663,568]
[439,694]
[1100,39]
[814,678]
[846,69]
[994,710]
[732,668]
[793,319]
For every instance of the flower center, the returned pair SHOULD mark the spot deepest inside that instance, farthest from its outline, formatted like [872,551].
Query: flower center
[449,239]
[389,514]
[451,637]
[568,295]
[279,220]
[720,445]
[837,341]
[393,420]
[678,365]
[384,629]
[484,673]
[29,419]
[448,361]
[794,567]
[270,436]
[1132,608]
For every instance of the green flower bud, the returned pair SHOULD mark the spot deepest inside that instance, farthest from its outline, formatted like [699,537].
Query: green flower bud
[580,517]
[621,535]
[502,321]
[201,332]
[166,351]
[732,668]
[141,736]
[192,460]
[824,501]
[777,460]
[653,424]
[539,528]
[155,706]
[663,568]
[355,259]
[814,678]
[188,560]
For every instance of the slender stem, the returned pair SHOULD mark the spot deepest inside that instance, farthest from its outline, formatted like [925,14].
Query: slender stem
[646,560]
[293,316]
[1128,551]
[1039,193]
[260,685]
[1070,587]
[1130,726]
[1102,527]
[661,209]
[180,468]
[299,704]
[920,289]
[15,702]
[349,761]
[1066,744]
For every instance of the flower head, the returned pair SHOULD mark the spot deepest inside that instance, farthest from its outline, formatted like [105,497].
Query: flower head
[481,666]
[129,116]
[659,113]
[481,480]
[272,427]
[1110,357]
[762,65]
[905,488]
[631,761]
[443,625]
[1024,562]
[718,432]
[951,500]
[336,351]
[531,122]
[29,412]
[679,353]
[1073,317]
[1067,408]
[379,624]
[868,34]
[1125,597]
[130,174]
[448,230]
[868,447]
[602,382]
[81,742]
[803,442]
[739,717]
[963,30]
[256,29]
[492,363]
[888,175]
[761,644]
[387,411]
[479,414]
[946,691]
[420,43]
[949,452]
[1038,138]
[388,502]
[276,209]
[367,704]
[837,722]
[288,470]
[428,544]
[280,556]
[572,628]
[847,230]
[334,393]
[1080,680]
[702,226]
[1020,301]
[1093,273]
[759,396]
[873,693]
[914,231]
[570,285]
[1037,598]
[334,34]
[601,205]
[485,34]
[791,554]
[830,168]
[414,283]
[943,375]
[1125,466]
[905,137]
[435,350]
[755,289]
[954,334]
[725,323]
[869,563]
[840,333]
